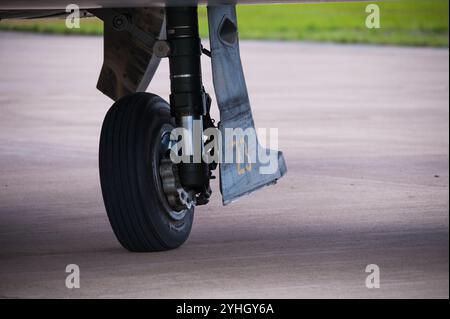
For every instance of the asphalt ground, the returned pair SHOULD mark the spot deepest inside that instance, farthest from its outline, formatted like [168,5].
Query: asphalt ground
[364,131]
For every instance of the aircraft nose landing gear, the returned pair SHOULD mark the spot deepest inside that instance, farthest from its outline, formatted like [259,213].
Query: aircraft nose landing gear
[149,199]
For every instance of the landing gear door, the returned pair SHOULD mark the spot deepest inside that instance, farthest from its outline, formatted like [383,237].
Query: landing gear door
[245,165]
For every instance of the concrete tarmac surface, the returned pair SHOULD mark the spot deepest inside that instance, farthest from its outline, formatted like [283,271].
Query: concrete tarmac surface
[364,130]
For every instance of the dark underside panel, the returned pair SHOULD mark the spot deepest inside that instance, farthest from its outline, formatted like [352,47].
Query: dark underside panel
[30,14]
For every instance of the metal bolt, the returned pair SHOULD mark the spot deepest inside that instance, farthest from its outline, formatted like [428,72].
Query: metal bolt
[161,49]
[119,22]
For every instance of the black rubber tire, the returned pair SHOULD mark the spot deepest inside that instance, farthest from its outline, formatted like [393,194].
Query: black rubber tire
[129,175]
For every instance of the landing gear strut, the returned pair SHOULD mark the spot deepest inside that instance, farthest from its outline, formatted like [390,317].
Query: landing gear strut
[188,99]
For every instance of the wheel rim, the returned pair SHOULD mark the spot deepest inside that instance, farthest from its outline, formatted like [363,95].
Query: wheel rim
[163,145]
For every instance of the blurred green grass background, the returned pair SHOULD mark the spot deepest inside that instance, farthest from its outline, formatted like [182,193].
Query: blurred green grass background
[403,22]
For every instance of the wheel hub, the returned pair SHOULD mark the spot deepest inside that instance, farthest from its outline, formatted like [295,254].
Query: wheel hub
[178,198]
